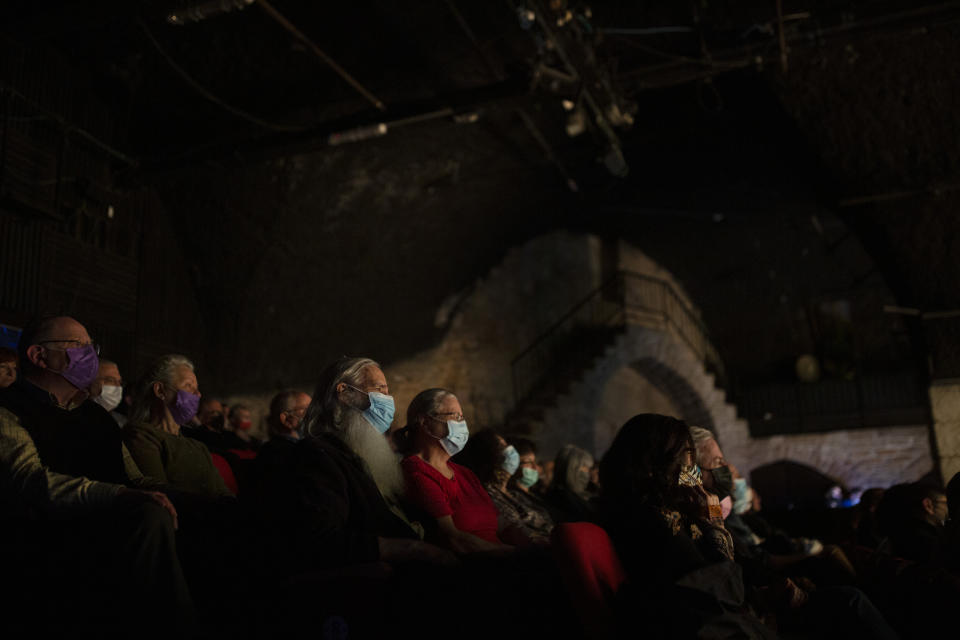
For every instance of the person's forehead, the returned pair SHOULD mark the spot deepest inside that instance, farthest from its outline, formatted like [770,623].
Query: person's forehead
[64,328]
[109,370]
[450,404]
[528,457]
[185,375]
[301,400]
[211,405]
[372,376]
[710,450]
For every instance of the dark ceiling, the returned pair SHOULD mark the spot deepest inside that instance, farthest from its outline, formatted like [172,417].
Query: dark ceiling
[714,133]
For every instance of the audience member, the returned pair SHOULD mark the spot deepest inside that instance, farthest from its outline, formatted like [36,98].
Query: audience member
[239,423]
[544,478]
[526,478]
[166,397]
[9,362]
[62,462]
[676,552]
[459,511]
[568,496]
[766,554]
[495,463]
[107,390]
[913,516]
[325,506]
[865,518]
[286,413]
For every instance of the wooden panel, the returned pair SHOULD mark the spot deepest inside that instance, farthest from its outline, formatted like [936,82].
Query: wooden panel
[19,263]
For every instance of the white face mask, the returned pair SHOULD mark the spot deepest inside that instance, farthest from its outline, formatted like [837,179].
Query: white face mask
[110,397]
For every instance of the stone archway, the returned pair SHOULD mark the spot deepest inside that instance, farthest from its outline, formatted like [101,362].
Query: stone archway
[668,363]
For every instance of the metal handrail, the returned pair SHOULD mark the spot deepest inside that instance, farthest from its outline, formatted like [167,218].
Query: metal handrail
[664,302]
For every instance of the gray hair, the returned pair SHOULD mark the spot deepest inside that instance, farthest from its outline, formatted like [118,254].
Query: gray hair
[325,411]
[568,461]
[164,370]
[423,404]
[701,436]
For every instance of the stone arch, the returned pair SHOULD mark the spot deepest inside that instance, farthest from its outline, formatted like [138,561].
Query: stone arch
[667,362]
[688,402]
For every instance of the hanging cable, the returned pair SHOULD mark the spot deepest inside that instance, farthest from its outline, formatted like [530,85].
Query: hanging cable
[186,77]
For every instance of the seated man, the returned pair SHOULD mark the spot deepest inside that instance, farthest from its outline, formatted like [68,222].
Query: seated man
[61,457]
[286,413]
[325,507]
[8,367]
[107,390]
[914,518]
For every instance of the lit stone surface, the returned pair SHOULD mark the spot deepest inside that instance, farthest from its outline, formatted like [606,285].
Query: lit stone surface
[648,368]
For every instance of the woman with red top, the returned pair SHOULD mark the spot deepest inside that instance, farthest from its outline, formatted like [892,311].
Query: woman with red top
[448,494]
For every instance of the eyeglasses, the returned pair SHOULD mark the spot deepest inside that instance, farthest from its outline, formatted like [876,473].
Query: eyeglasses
[379,388]
[78,343]
[458,417]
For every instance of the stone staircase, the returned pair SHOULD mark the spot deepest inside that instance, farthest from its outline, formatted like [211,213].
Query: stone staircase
[562,405]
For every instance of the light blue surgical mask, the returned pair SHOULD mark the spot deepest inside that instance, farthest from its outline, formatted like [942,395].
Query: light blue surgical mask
[456,438]
[528,477]
[511,460]
[381,410]
[741,496]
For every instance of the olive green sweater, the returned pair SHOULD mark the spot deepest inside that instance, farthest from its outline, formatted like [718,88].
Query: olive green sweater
[175,460]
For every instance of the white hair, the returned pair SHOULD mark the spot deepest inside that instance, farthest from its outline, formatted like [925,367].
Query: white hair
[375,451]
[164,369]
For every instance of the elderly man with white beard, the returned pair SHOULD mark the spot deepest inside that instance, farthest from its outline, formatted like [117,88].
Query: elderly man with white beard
[331,497]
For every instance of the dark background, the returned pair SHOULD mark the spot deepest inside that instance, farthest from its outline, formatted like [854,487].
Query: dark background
[174,186]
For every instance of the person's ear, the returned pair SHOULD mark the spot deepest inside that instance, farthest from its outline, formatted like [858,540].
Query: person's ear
[928,505]
[158,390]
[35,354]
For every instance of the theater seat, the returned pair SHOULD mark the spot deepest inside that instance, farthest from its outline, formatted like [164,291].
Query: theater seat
[591,572]
[225,472]
[243,454]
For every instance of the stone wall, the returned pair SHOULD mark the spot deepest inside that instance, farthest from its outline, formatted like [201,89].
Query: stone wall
[647,369]
[945,408]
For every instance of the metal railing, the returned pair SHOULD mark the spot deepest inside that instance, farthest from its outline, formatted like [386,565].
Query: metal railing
[627,298]
[868,401]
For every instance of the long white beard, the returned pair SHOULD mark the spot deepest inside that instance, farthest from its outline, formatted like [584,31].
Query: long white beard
[373,448]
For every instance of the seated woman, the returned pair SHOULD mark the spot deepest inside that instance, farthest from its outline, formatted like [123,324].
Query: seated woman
[165,398]
[448,494]
[567,496]
[669,535]
[495,462]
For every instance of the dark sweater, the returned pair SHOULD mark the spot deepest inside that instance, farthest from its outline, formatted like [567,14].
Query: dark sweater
[79,441]
[320,507]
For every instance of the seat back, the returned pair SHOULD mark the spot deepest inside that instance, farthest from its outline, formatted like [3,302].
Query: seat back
[591,571]
[223,467]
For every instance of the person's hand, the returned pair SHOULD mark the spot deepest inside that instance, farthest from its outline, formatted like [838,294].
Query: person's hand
[712,511]
[432,554]
[135,496]
[402,550]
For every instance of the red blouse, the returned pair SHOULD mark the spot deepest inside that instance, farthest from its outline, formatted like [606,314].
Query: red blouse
[462,497]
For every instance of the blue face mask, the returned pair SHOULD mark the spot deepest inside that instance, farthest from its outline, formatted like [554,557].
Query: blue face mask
[741,496]
[528,477]
[380,412]
[511,460]
[456,438]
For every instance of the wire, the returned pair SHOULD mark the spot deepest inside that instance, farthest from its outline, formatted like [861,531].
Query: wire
[240,113]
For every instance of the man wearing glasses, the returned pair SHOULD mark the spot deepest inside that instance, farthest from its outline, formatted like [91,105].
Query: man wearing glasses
[64,476]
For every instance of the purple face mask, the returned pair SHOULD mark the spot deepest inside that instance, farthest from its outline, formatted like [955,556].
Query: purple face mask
[83,366]
[185,407]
